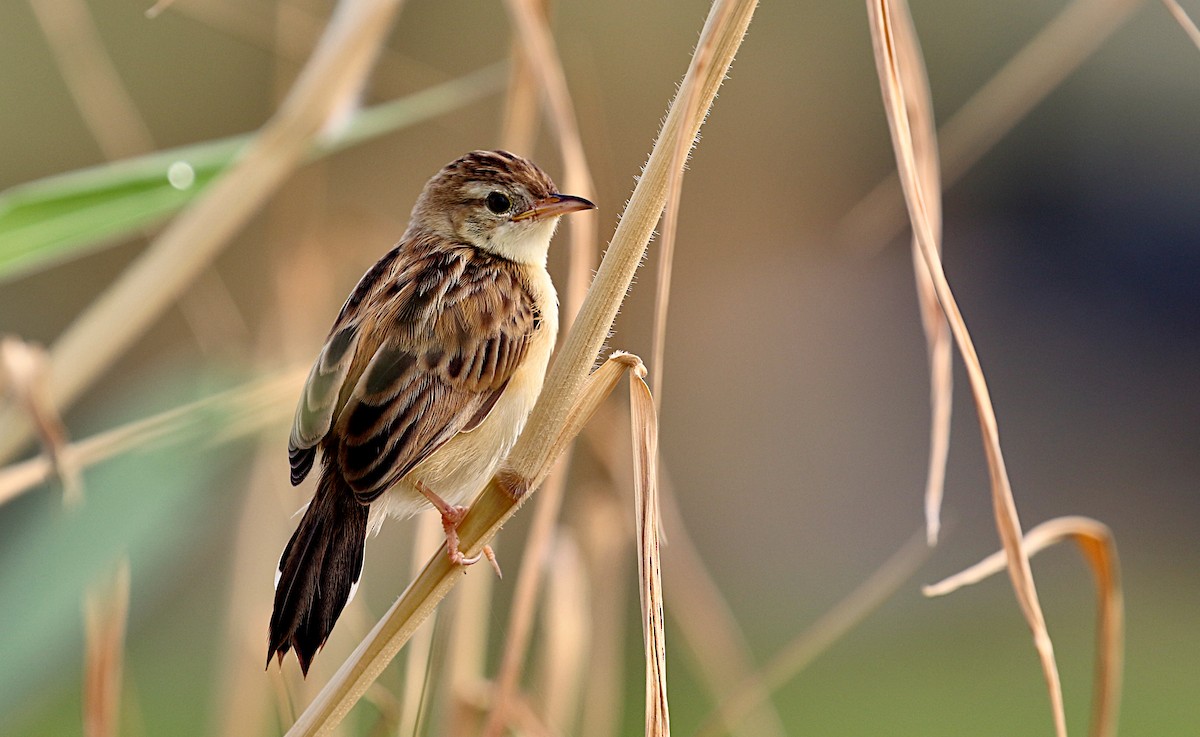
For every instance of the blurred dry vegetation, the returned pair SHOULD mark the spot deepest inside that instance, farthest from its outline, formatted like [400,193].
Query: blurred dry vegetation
[186,196]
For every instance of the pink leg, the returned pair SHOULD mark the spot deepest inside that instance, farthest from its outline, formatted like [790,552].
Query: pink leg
[452,517]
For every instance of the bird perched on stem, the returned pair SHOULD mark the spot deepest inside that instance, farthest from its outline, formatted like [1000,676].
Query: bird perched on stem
[424,382]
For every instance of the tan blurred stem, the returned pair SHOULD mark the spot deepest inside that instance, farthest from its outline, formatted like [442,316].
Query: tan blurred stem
[244,699]
[533,33]
[237,412]
[519,128]
[552,423]
[1184,20]
[23,368]
[933,321]
[106,618]
[605,540]
[827,630]
[525,598]
[1099,548]
[93,81]
[702,616]
[536,61]
[1036,70]
[567,620]
[417,661]
[336,71]
[892,83]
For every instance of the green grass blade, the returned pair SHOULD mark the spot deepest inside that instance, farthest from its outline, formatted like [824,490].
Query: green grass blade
[52,220]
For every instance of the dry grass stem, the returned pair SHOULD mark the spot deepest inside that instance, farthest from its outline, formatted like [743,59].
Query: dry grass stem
[533,33]
[996,108]
[933,321]
[567,621]
[244,700]
[546,433]
[889,59]
[243,411]
[703,617]
[93,82]
[417,661]
[1096,542]
[1184,20]
[525,597]
[819,637]
[605,537]
[106,618]
[23,378]
[111,324]
[1098,546]
[644,420]
[521,106]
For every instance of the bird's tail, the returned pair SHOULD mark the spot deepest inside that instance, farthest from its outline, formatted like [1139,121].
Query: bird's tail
[318,571]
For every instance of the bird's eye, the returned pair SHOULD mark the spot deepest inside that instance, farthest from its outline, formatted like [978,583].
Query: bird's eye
[498,203]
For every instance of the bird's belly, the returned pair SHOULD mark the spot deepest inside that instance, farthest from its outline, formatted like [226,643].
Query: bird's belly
[459,470]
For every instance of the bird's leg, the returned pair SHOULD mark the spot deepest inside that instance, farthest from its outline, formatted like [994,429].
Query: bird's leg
[452,517]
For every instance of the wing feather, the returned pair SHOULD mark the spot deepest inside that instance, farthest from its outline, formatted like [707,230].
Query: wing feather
[453,333]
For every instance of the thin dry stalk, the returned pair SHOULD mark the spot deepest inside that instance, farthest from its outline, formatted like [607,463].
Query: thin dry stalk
[703,617]
[819,637]
[525,598]
[23,368]
[567,621]
[93,82]
[533,33]
[892,81]
[537,64]
[417,662]
[644,422]
[556,418]
[106,618]
[1184,20]
[244,699]
[519,129]
[244,411]
[1099,548]
[109,326]
[1039,67]
[933,322]
[605,539]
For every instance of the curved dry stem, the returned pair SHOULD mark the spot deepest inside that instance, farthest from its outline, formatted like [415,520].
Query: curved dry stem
[555,418]
[1099,548]
[893,80]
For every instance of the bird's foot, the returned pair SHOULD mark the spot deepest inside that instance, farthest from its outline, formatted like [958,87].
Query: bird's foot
[452,517]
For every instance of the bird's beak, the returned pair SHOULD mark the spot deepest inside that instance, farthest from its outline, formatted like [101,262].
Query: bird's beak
[553,206]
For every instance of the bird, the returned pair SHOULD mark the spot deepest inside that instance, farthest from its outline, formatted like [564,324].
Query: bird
[424,382]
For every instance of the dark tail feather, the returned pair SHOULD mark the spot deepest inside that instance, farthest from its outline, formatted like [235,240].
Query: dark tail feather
[317,571]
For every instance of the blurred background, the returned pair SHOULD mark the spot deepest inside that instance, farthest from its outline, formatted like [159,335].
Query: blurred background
[795,405]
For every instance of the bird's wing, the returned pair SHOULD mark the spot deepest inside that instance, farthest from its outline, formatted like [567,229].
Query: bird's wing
[455,329]
[323,392]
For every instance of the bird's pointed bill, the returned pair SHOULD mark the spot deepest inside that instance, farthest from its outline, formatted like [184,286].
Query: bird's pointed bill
[555,205]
